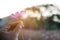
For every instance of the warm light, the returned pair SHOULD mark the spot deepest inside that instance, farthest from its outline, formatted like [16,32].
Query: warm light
[24,16]
[33,14]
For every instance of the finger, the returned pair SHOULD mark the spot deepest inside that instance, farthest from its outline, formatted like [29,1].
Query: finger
[5,29]
[22,24]
[17,29]
[19,26]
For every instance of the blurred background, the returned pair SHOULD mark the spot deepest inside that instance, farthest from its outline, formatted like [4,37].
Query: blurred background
[8,7]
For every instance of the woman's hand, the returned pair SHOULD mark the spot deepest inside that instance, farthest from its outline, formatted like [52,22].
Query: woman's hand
[9,35]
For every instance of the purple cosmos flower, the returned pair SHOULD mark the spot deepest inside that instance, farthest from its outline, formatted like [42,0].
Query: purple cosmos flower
[17,14]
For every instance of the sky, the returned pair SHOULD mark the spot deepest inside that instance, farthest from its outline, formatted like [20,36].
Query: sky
[7,7]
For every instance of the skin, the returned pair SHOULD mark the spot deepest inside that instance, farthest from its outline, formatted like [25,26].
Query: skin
[9,35]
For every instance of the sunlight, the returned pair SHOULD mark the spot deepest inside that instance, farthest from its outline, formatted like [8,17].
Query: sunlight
[8,7]
[33,14]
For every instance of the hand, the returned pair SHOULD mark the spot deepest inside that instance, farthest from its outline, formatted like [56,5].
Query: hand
[12,35]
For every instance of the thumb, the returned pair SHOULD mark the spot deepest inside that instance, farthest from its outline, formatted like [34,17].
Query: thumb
[17,29]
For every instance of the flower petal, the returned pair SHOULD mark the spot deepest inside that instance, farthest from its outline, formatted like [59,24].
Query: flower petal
[13,16]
